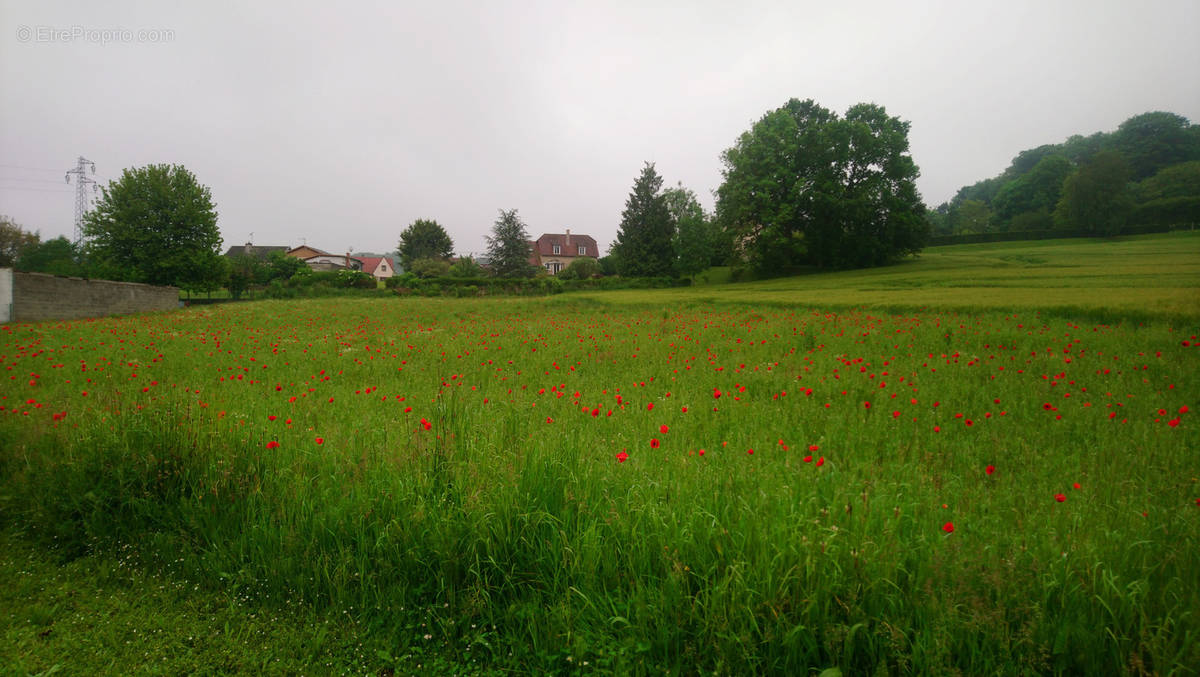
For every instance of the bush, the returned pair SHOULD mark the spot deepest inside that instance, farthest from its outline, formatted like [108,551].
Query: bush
[354,279]
[427,268]
[581,269]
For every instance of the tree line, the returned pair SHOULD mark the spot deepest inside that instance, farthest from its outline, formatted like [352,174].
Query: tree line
[1146,173]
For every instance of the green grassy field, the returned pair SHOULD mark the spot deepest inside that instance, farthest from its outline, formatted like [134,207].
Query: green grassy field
[1133,277]
[893,471]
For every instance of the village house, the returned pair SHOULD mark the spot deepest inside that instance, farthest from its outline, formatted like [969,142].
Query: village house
[334,262]
[306,252]
[556,251]
[381,267]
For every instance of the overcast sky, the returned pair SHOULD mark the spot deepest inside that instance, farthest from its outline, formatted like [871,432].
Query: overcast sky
[340,123]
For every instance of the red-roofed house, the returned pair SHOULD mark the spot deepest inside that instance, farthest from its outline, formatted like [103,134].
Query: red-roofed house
[556,251]
[380,266]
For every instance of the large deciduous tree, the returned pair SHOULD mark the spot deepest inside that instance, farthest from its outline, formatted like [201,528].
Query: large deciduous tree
[804,185]
[508,247]
[13,240]
[694,238]
[158,225]
[1097,198]
[1154,140]
[424,239]
[56,256]
[1036,190]
[644,245]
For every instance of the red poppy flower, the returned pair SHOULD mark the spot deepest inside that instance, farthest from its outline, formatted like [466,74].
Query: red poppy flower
[716,394]
[320,440]
[271,418]
[272,444]
[1076,486]
[1173,422]
[808,459]
[948,527]
[701,452]
[1060,497]
[820,461]
[663,429]
[650,406]
[654,443]
[750,451]
[426,424]
[622,456]
[549,420]
[990,469]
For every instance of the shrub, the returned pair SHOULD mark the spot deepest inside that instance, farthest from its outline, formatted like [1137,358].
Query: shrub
[427,268]
[581,269]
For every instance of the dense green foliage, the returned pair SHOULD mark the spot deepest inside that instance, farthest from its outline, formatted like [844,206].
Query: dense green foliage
[697,239]
[429,267]
[156,224]
[466,266]
[1096,199]
[508,247]
[13,239]
[56,256]
[424,239]
[805,186]
[581,268]
[1032,194]
[645,239]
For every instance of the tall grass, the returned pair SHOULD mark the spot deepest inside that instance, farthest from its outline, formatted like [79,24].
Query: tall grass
[505,530]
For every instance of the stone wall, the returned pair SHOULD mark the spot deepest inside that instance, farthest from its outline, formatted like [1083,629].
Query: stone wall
[34,297]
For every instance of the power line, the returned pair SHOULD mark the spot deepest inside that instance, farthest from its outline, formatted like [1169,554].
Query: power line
[36,190]
[14,178]
[32,169]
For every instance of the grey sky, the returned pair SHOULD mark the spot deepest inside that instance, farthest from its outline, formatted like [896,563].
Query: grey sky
[342,124]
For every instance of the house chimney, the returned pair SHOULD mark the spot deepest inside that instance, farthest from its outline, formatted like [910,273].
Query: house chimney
[568,241]
[249,248]
[348,261]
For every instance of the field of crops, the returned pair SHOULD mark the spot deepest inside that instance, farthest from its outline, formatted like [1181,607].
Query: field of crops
[681,481]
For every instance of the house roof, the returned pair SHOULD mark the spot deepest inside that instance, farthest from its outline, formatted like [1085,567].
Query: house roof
[544,245]
[259,252]
[370,263]
[316,252]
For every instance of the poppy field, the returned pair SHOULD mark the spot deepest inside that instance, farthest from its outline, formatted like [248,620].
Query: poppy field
[570,485]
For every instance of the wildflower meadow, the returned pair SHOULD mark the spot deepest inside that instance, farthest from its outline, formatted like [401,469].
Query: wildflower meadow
[574,485]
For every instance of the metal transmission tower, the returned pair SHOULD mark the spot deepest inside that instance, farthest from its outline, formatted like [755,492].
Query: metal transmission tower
[82,181]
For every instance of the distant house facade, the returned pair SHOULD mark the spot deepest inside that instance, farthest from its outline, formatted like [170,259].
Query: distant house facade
[556,251]
[334,262]
[381,267]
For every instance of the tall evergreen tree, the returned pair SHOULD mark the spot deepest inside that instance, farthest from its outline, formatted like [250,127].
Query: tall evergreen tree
[644,244]
[508,247]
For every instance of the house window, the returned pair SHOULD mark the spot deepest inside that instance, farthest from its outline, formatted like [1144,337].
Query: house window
[583,250]
[557,249]
[554,267]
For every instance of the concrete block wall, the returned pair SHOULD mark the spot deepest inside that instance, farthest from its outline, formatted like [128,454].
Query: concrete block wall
[34,297]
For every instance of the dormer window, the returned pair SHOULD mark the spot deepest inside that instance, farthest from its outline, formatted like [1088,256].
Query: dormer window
[557,249]
[583,250]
